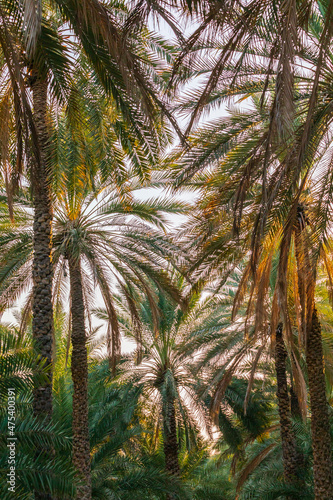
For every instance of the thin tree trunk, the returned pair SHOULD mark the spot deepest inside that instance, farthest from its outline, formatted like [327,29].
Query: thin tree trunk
[42,272]
[320,424]
[170,442]
[79,366]
[287,435]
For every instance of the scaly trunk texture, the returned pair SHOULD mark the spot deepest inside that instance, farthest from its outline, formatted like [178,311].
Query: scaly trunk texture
[42,272]
[296,414]
[79,366]
[170,442]
[42,322]
[294,403]
[287,436]
[320,425]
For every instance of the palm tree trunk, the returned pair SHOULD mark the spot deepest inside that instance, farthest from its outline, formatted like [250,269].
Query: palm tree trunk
[79,366]
[294,404]
[296,414]
[287,436]
[170,442]
[320,424]
[42,322]
[42,272]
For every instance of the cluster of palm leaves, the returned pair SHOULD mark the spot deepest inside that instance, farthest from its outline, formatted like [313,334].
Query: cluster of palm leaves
[226,390]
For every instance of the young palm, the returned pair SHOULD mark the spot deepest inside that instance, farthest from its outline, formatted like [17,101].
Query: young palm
[119,465]
[179,357]
[18,363]
[164,373]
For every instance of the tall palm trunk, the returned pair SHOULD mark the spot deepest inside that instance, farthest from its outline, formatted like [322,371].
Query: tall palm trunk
[294,404]
[170,442]
[42,322]
[42,272]
[320,425]
[287,436]
[79,366]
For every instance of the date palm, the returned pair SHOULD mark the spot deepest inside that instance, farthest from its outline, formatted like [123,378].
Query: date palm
[217,160]
[104,241]
[164,374]
[175,373]
[38,58]
[115,433]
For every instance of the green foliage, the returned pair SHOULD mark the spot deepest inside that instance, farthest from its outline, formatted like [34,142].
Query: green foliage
[201,303]
[18,365]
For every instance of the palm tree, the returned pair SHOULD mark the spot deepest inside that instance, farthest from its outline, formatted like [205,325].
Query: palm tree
[33,39]
[164,373]
[105,242]
[119,464]
[115,433]
[288,440]
[223,235]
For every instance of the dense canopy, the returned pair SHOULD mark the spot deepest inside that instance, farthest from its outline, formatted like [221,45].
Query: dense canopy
[166,249]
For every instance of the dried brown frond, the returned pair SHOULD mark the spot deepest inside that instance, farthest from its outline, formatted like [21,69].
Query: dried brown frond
[223,384]
[251,378]
[251,466]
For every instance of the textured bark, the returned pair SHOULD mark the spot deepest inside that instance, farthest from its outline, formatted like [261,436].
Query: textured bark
[320,425]
[287,435]
[296,414]
[294,403]
[42,322]
[170,441]
[79,366]
[42,272]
